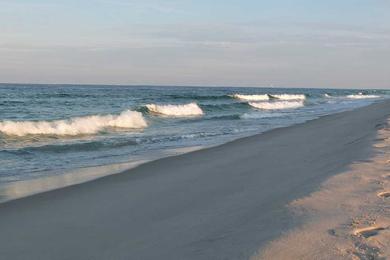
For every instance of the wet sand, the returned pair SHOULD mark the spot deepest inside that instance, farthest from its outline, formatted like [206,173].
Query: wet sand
[225,202]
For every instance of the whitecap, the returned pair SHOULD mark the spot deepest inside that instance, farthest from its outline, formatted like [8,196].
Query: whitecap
[277,105]
[289,96]
[191,109]
[74,126]
[362,96]
[251,97]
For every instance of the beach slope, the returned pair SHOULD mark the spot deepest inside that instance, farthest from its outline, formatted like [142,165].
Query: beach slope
[224,202]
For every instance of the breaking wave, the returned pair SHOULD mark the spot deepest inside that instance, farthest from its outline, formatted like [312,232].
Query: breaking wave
[74,126]
[277,105]
[362,96]
[265,97]
[289,96]
[191,109]
[251,97]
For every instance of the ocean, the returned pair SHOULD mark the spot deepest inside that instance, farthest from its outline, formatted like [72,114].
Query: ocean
[53,130]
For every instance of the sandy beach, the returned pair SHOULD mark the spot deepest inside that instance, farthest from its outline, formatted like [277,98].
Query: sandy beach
[249,198]
[347,218]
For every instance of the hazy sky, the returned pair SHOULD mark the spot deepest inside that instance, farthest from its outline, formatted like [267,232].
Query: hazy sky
[297,43]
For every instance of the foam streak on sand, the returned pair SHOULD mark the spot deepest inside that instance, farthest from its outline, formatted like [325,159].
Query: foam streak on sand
[191,109]
[74,126]
[277,105]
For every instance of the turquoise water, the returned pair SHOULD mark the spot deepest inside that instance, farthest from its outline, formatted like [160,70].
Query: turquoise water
[48,129]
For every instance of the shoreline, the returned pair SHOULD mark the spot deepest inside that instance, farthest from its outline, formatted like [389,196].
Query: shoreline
[26,188]
[221,202]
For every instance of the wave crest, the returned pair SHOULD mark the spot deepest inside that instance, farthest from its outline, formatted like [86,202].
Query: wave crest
[277,105]
[251,97]
[74,126]
[289,96]
[191,109]
[362,96]
[265,97]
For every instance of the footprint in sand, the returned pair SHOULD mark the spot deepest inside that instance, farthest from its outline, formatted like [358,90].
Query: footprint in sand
[384,194]
[367,231]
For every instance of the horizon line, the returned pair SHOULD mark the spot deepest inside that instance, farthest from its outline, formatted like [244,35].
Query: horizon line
[185,86]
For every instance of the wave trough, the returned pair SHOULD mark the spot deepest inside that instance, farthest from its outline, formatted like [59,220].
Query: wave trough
[74,126]
[191,109]
[277,105]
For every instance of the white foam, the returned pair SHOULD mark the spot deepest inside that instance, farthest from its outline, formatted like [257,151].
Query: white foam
[327,95]
[362,96]
[74,126]
[289,96]
[277,105]
[191,109]
[251,97]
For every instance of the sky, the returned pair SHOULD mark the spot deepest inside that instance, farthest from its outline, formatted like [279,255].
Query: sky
[281,43]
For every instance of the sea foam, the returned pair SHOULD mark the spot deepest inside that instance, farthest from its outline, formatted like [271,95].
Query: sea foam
[289,96]
[191,109]
[277,105]
[251,97]
[265,97]
[362,96]
[74,126]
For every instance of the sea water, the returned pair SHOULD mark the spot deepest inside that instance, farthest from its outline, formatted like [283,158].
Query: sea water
[49,130]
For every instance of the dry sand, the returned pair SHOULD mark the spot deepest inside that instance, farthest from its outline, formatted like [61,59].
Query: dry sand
[348,218]
[225,202]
